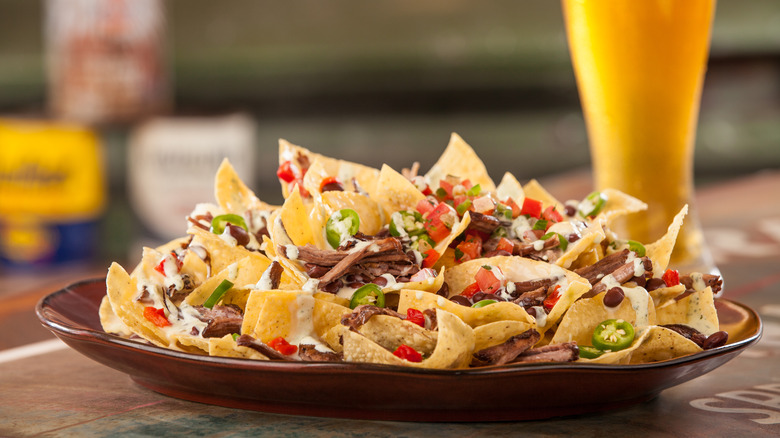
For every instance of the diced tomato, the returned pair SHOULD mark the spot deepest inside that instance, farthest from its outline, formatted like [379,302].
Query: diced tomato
[460,199]
[436,229]
[427,191]
[470,290]
[553,298]
[505,245]
[487,280]
[447,186]
[471,248]
[513,205]
[466,183]
[532,208]
[440,210]
[425,206]
[415,316]
[282,346]
[287,172]
[156,316]
[430,258]
[408,353]
[671,278]
[161,267]
[551,215]
[330,180]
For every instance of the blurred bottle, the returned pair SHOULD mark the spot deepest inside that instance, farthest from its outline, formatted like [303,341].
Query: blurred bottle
[106,60]
[172,163]
[52,192]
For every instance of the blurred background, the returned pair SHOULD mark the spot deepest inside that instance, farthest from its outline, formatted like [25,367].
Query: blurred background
[115,114]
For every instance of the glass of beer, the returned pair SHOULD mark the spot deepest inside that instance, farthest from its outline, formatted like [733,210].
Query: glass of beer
[640,66]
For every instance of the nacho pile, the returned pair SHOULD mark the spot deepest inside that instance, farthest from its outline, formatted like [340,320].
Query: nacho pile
[442,270]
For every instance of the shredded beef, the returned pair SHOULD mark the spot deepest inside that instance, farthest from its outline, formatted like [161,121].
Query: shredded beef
[713,281]
[508,351]
[275,274]
[177,295]
[532,298]
[595,272]
[309,353]
[528,249]
[483,223]
[363,313]
[567,352]
[431,323]
[531,285]
[221,320]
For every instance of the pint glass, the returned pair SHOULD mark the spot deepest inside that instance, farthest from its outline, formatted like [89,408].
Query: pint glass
[640,66]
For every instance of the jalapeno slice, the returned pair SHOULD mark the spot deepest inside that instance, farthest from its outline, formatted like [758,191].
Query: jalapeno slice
[589,352]
[341,225]
[219,223]
[613,335]
[483,303]
[637,248]
[409,222]
[368,294]
[592,204]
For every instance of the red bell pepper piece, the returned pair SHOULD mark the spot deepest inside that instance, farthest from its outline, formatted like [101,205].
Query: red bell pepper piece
[505,245]
[470,290]
[471,248]
[282,346]
[415,316]
[161,267]
[287,172]
[552,299]
[671,277]
[156,316]
[408,353]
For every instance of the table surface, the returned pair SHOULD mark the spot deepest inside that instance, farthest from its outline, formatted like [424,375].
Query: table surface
[47,389]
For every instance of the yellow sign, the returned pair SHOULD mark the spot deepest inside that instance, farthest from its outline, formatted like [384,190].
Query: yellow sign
[52,171]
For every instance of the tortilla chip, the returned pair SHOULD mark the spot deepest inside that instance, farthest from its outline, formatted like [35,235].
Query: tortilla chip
[584,315]
[227,347]
[301,221]
[591,238]
[510,187]
[394,192]
[246,271]
[110,322]
[390,332]
[191,344]
[498,332]
[454,347]
[697,310]
[459,159]
[293,314]
[653,344]
[618,204]
[660,251]
[232,194]
[474,317]
[222,254]
[665,295]
[372,217]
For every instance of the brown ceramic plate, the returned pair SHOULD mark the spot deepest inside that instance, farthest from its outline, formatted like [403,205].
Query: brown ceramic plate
[382,392]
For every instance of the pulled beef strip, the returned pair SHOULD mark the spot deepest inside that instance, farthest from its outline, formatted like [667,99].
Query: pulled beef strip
[221,320]
[363,313]
[508,351]
[532,298]
[309,353]
[483,222]
[532,285]
[622,274]
[568,352]
[527,249]
[254,344]
[595,272]
[177,295]
[713,281]
[275,274]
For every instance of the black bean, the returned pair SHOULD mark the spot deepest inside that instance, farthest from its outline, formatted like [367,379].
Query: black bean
[640,281]
[238,233]
[531,311]
[333,186]
[460,299]
[356,285]
[654,283]
[573,237]
[380,281]
[715,340]
[570,210]
[614,297]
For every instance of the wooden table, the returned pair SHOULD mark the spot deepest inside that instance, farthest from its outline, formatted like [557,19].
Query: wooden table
[47,389]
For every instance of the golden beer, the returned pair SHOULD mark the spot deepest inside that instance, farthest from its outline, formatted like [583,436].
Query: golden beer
[640,66]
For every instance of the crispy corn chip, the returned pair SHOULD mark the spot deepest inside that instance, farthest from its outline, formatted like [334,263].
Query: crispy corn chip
[454,347]
[190,343]
[665,295]
[232,194]
[618,204]
[294,314]
[475,317]
[110,322]
[591,238]
[390,332]
[653,344]
[227,347]
[697,310]
[372,218]
[510,187]
[246,271]
[584,315]
[660,251]
[459,159]
[534,190]
[498,332]
[394,192]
